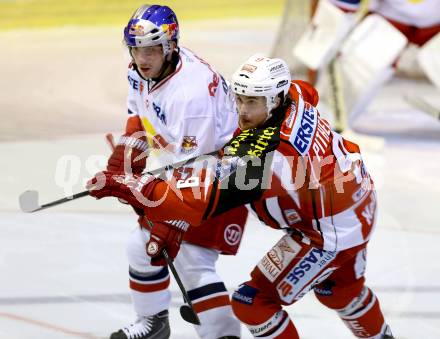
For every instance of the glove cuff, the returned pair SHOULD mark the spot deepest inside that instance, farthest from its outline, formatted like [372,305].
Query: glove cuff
[133,143]
[179,224]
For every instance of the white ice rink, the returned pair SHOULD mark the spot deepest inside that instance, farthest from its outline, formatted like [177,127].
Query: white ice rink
[63,271]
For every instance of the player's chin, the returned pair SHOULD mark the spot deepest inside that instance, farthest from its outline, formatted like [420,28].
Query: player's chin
[146,72]
[246,124]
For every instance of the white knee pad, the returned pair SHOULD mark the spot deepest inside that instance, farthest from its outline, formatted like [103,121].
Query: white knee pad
[428,58]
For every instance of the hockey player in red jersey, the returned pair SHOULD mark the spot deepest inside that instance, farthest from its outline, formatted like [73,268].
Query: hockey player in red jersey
[297,175]
[178,108]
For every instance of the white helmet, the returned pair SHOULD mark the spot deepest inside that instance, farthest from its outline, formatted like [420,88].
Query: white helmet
[262,76]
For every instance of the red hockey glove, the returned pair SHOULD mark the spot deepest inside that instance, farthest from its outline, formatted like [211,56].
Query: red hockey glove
[130,155]
[165,235]
[134,189]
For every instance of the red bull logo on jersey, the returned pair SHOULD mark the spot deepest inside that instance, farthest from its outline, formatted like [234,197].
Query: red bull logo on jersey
[189,144]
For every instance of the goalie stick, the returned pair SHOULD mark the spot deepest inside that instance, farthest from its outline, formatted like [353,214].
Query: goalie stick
[422,105]
[337,96]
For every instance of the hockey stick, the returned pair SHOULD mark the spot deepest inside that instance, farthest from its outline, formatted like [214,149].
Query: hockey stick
[111,141]
[187,312]
[28,200]
[337,95]
[337,98]
[422,105]
[341,117]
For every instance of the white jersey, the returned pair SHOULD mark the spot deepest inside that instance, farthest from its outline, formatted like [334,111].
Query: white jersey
[190,112]
[418,13]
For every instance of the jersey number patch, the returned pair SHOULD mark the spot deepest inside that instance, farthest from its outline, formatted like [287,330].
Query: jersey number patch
[189,182]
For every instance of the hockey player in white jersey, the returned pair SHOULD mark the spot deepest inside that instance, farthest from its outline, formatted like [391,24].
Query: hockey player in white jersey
[178,107]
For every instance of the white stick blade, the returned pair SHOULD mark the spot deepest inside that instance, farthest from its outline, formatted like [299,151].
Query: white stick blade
[29,201]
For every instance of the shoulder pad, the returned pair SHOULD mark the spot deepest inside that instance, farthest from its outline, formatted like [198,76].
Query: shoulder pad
[306,90]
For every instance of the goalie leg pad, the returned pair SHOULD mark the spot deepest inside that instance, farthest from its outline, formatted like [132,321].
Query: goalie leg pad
[429,60]
[323,36]
[365,62]
[416,35]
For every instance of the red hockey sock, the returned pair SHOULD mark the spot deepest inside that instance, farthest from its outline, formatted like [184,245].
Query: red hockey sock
[363,315]
[262,315]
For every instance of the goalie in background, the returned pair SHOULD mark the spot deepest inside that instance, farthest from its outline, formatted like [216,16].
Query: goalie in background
[178,108]
[366,53]
[298,176]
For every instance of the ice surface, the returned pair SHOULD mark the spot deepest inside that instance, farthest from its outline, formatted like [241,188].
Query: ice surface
[63,271]
[65,275]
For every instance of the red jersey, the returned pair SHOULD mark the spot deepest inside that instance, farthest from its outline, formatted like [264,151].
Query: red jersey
[294,171]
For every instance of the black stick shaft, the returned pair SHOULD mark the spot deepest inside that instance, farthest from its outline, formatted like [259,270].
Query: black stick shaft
[63,200]
[179,282]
